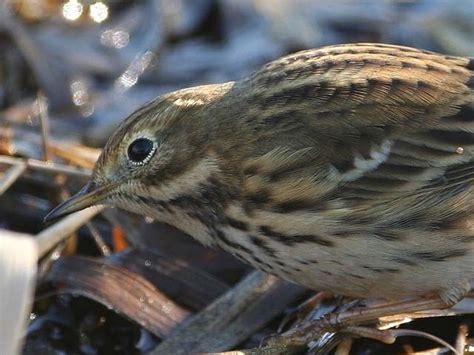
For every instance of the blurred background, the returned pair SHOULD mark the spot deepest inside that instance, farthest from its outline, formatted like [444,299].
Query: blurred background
[96,61]
[71,70]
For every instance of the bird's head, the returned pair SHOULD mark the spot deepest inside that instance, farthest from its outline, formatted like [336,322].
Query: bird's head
[162,151]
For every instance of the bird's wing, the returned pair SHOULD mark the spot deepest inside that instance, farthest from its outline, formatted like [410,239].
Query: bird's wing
[361,121]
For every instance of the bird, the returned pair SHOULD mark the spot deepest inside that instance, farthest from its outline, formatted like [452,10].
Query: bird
[348,168]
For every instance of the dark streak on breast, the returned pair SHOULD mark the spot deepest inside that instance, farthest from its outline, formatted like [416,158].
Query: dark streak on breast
[438,256]
[263,245]
[381,270]
[220,236]
[404,261]
[235,223]
[384,235]
[291,240]
[356,276]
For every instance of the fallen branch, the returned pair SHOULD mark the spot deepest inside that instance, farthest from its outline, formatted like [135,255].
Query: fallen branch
[126,292]
[233,317]
[17,277]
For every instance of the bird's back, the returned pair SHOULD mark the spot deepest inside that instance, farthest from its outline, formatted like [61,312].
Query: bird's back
[361,172]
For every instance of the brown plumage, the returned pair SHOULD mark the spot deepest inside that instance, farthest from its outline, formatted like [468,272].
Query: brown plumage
[348,168]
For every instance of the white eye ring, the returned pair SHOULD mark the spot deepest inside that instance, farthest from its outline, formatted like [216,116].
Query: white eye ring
[146,160]
[140,151]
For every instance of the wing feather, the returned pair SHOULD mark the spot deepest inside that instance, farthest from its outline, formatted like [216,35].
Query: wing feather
[381,122]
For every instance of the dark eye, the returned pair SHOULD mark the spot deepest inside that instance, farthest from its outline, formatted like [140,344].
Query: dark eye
[140,150]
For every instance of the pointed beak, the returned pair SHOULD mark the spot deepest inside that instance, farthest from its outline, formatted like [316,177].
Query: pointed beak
[88,196]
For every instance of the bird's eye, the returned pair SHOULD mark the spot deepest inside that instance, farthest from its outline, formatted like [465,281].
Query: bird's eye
[141,150]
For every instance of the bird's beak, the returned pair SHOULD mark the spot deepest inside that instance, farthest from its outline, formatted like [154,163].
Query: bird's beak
[88,196]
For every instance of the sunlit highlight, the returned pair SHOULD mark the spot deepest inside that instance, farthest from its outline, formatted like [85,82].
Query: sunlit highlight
[98,12]
[72,10]
[130,77]
[80,94]
[115,39]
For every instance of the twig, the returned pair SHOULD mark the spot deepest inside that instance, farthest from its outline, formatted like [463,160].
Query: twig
[53,235]
[44,123]
[79,155]
[466,306]
[384,336]
[104,249]
[11,175]
[461,339]
[416,333]
[45,166]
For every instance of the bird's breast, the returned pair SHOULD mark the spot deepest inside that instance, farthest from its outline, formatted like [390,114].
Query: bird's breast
[324,254]
[329,250]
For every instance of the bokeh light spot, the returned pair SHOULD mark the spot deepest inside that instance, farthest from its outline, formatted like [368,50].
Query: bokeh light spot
[98,12]
[72,10]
